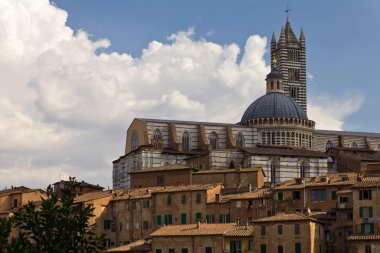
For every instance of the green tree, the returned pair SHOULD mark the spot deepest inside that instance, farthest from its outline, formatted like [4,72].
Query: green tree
[56,225]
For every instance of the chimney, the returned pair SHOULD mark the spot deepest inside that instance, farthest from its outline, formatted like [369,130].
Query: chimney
[198,224]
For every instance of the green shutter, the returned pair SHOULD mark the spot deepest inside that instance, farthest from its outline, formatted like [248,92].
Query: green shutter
[183,199]
[333,195]
[199,216]
[361,212]
[228,218]
[371,228]
[370,212]
[170,219]
[183,218]
[158,220]
[221,218]
[263,248]
[297,247]
[362,228]
[369,194]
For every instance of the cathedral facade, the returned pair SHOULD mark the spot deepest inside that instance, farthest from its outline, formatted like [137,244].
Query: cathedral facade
[274,132]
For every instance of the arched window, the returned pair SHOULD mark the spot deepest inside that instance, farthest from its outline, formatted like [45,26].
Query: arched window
[354,145]
[186,141]
[329,145]
[135,140]
[157,134]
[214,140]
[240,140]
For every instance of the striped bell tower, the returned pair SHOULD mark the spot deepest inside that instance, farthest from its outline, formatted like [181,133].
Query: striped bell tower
[290,53]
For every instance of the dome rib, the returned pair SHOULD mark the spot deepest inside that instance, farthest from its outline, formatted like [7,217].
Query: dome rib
[274,105]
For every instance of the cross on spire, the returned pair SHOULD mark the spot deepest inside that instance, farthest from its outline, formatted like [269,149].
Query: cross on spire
[287,10]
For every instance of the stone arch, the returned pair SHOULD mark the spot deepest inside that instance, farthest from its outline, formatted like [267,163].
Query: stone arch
[354,144]
[239,140]
[214,140]
[157,135]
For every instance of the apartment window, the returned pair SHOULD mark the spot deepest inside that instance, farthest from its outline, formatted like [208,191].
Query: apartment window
[158,220]
[349,216]
[146,204]
[120,226]
[293,91]
[210,218]
[208,250]
[235,246]
[368,249]
[198,216]
[168,219]
[160,180]
[296,195]
[365,212]
[224,218]
[133,204]
[263,248]
[333,195]
[15,203]
[263,230]
[318,195]
[280,249]
[145,224]
[297,247]
[365,194]
[343,199]
[280,196]
[367,228]
[238,204]
[199,198]
[183,218]
[184,250]
[297,229]
[279,229]
[158,250]
[169,200]
[250,245]
[107,224]
[183,199]
[171,250]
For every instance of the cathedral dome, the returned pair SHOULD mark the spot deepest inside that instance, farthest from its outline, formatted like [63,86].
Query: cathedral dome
[274,105]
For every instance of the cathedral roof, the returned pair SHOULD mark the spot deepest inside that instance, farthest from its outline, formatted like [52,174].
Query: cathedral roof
[274,105]
[290,37]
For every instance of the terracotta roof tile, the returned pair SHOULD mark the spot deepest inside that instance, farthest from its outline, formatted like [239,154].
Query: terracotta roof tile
[363,237]
[192,229]
[136,245]
[260,193]
[330,179]
[368,182]
[194,187]
[286,217]
[346,191]
[94,195]
[240,231]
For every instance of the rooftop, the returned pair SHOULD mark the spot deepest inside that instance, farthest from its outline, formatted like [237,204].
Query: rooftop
[248,195]
[284,151]
[286,217]
[230,229]
[95,195]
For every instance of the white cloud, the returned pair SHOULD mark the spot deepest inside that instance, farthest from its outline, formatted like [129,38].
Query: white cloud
[329,112]
[310,76]
[65,108]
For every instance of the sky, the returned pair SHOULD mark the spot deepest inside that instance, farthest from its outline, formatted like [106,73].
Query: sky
[73,74]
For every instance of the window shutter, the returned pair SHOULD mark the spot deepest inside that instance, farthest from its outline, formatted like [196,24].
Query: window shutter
[372,228]
[370,212]
[361,194]
[369,194]
[361,212]
[294,195]
[221,218]
[170,219]
[362,228]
